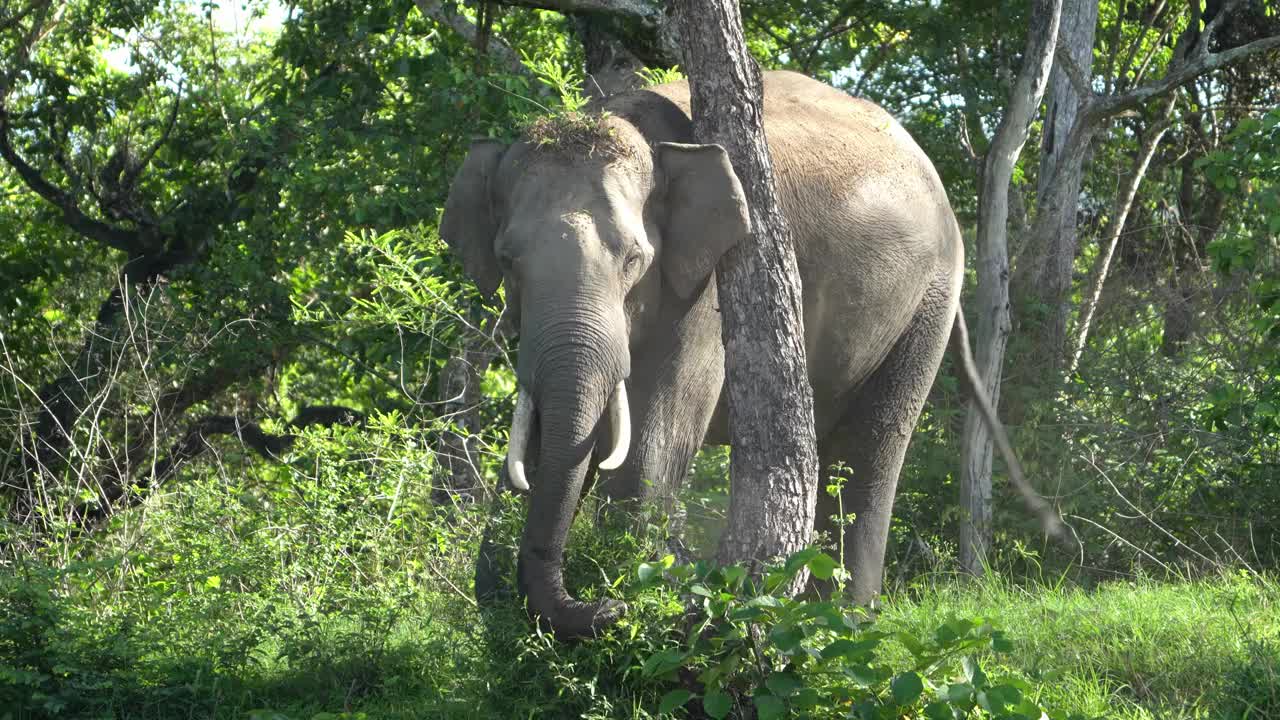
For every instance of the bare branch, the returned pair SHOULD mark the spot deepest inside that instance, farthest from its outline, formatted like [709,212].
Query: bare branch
[438,11]
[1120,214]
[128,241]
[131,176]
[1141,72]
[1153,15]
[1180,75]
[992,264]
[1211,28]
[196,441]
[833,27]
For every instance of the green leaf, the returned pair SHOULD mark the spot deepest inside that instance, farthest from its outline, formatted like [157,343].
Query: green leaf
[783,684]
[822,566]
[702,590]
[906,688]
[1000,643]
[799,559]
[786,637]
[673,700]
[734,575]
[957,692]
[661,663]
[681,572]
[939,711]
[972,672]
[948,633]
[806,697]
[717,704]
[1001,697]
[910,642]
[769,707]
[862,675]
[853,650]
[648,571]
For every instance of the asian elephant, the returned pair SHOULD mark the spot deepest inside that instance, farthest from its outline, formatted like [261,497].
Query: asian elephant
[607,232]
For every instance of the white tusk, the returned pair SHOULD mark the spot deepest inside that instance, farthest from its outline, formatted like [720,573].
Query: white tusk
[521,426]
[620,422]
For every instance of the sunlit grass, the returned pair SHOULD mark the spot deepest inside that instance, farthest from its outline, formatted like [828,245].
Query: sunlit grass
[1128,649]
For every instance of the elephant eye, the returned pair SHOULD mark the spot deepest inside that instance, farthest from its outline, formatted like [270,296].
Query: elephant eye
[633,260]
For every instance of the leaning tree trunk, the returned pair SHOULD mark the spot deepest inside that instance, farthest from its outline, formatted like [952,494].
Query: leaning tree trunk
[774,466]
[1119,216]
[992,301]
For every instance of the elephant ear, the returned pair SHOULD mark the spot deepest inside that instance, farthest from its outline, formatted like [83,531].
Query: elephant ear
[706,212]
[469,223]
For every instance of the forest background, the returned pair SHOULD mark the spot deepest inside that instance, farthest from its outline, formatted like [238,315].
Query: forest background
[252,413]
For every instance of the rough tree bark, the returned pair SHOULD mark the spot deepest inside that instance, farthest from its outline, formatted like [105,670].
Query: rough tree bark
[1058,191]
[774,466]
[992,301]
[611,66]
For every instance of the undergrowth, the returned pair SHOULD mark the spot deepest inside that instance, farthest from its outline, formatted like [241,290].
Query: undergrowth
[344,592]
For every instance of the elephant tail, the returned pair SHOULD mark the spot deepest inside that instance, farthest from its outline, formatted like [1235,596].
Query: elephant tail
[1049,519]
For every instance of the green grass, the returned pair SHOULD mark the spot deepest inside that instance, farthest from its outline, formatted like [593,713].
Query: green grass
[1202,649]
[335,593]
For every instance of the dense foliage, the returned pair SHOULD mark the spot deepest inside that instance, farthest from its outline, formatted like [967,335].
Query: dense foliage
[240,478]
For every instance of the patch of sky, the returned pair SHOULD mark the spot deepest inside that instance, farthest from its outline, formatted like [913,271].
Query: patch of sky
[241,21]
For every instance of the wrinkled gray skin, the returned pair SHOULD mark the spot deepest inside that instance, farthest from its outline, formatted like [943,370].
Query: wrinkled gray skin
[610,266]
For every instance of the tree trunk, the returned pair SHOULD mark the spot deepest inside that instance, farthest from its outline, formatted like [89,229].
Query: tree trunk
[992,301]
[774,467]
[611,67]
[1058,192]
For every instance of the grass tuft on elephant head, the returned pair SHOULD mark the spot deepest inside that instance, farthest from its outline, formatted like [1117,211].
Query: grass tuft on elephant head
[576,133]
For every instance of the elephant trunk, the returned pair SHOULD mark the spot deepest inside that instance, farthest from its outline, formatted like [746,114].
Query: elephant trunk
[573,383]
[522,428]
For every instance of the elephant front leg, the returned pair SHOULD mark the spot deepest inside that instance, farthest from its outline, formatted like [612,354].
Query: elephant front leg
[672,407]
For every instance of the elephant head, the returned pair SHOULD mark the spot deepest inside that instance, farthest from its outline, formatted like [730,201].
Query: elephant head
[590,237]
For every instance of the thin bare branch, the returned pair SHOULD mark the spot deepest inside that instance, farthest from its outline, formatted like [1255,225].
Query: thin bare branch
[1152,17]
[196,441]
[1124,203]
[1199,64]
[128,241]
[131,176]
[446,15]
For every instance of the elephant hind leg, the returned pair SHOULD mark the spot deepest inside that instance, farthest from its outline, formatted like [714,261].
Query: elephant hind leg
[871,438]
